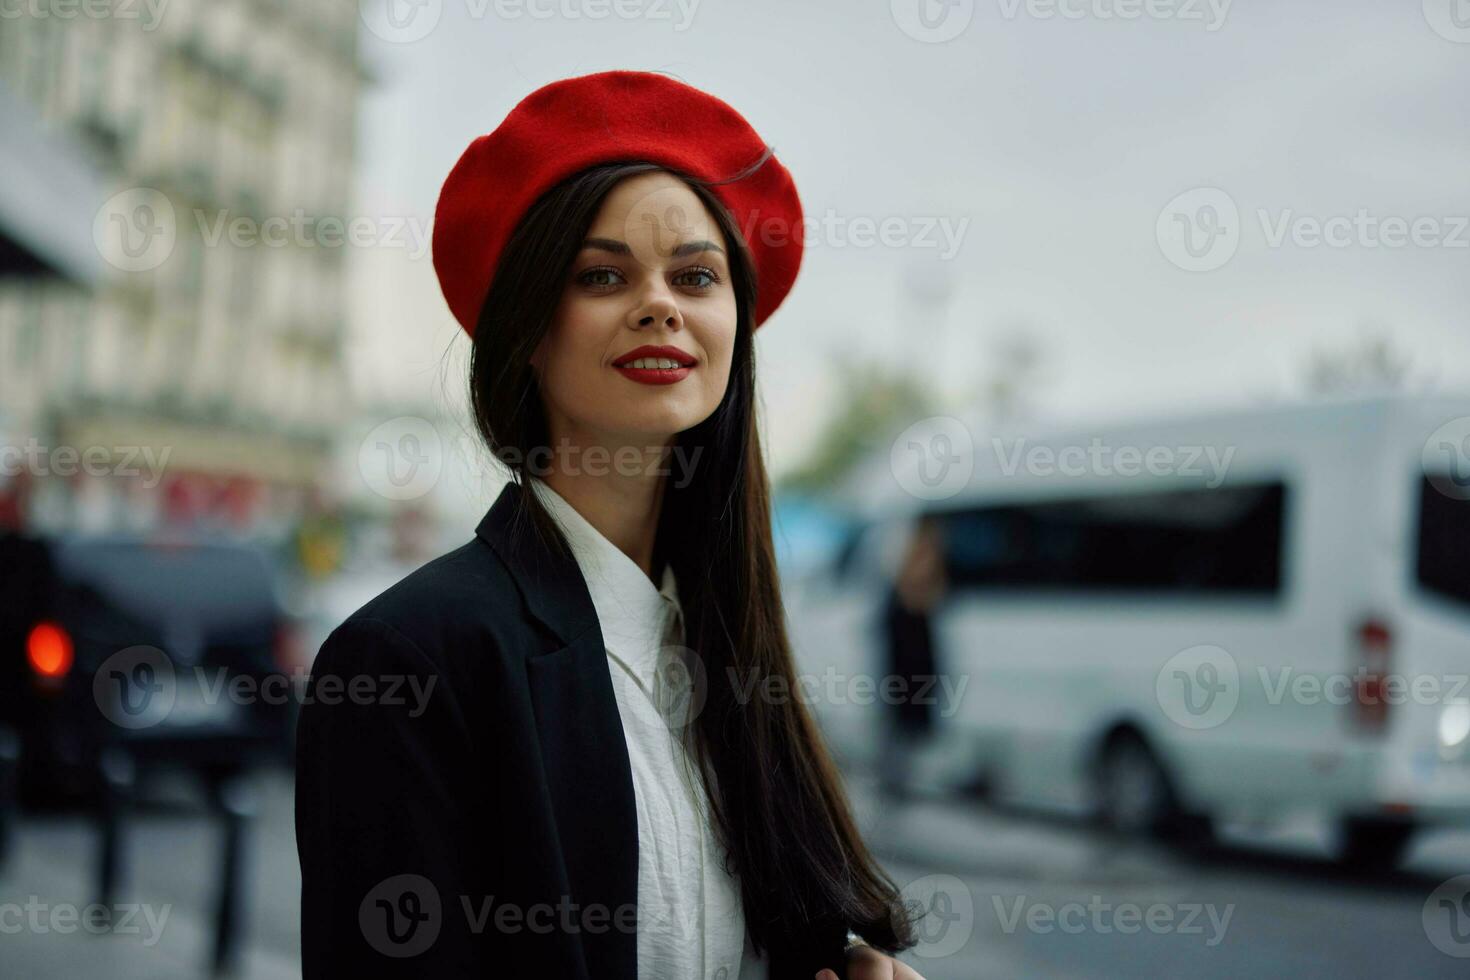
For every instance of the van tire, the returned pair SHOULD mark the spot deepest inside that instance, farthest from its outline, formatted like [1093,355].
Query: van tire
[1373,844]
[1132,791]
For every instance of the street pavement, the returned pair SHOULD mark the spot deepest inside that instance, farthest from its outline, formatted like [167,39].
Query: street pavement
[1007,895]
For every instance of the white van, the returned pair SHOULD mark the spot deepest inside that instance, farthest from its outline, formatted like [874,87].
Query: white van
[1251,614]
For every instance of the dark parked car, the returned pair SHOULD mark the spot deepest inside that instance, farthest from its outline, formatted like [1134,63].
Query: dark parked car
[177,652]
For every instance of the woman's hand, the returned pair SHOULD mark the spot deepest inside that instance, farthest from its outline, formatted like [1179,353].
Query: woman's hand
[866,963]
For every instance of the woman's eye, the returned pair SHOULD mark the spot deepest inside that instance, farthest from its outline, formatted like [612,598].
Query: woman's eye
[705,278]
[599,277]
[606,277]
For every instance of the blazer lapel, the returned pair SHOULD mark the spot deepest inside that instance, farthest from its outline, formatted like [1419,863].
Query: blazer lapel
[580,730]
[550,582]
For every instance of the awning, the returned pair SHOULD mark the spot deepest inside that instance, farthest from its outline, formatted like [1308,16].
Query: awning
[49,195]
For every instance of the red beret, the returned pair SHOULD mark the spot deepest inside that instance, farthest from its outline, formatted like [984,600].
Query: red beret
[575,123]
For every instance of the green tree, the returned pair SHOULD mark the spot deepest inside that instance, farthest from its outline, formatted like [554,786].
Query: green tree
[876,401]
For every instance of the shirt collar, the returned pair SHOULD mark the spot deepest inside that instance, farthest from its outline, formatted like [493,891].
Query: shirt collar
[637,619]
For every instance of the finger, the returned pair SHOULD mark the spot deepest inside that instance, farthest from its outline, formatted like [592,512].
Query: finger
[826,975]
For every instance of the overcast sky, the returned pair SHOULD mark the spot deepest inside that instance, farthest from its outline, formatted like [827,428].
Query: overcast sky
[1050,147]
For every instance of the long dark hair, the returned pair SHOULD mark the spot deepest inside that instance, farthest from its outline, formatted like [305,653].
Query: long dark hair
[776,797]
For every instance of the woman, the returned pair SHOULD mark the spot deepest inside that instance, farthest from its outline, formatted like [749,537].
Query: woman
[539,800]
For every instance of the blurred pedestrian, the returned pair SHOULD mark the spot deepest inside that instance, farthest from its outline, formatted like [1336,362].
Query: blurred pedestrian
[917,588]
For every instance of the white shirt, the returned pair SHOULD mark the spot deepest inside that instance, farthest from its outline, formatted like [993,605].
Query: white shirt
[691,925]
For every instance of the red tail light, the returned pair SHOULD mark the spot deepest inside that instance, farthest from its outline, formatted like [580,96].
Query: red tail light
[1375,658]
[49,651]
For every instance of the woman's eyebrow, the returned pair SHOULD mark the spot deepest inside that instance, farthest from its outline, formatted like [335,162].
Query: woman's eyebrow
[621,248]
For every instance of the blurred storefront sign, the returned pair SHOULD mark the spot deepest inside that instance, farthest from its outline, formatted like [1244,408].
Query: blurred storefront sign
[148,473]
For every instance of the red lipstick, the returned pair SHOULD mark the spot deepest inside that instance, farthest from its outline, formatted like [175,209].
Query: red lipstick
[683,363]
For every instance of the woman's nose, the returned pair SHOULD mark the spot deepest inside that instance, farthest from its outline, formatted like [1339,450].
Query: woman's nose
[656,308]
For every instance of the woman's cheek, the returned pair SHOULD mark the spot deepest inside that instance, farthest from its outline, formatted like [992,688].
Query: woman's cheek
[718,382]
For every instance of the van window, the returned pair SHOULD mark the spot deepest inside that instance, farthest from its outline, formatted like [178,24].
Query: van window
[1443,551]
[1226,540]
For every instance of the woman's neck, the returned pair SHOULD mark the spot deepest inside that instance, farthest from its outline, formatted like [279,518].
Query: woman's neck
[623,508]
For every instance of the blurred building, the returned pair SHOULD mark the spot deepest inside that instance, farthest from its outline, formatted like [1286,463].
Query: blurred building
[44,239]
[205,367]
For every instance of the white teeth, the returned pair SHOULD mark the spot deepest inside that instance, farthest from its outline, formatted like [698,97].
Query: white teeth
[652,362]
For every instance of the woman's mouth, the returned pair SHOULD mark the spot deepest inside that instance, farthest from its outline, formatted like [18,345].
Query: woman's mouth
[654,370]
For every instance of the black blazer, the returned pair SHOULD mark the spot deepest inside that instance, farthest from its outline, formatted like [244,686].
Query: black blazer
[483,826]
